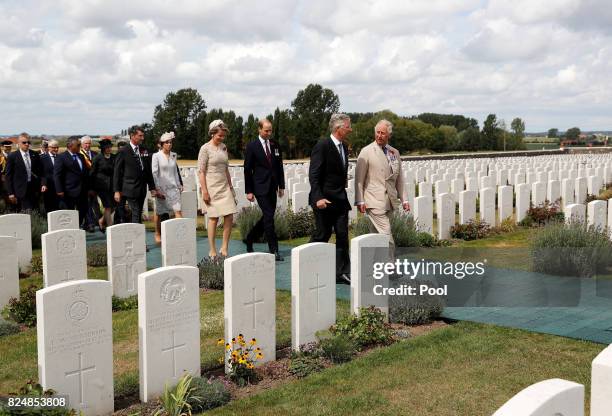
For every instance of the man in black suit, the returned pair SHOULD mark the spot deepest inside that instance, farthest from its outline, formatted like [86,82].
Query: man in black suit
[132,174]
[328,175]
[72,179]
[264,179]
[48,165]
[23,179]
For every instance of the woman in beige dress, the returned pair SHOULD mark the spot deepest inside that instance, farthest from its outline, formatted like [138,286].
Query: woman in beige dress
[217,190]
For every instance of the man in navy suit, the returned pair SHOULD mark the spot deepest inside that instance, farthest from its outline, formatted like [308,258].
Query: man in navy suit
[23,177]
[264,179]
[133,174]
[328,179]
[48,165]
[72,179]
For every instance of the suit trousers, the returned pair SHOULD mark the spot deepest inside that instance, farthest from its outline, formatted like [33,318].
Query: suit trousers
[336,220]
[380,222]
[265,225]
[50,200]
[136,205]
[30,200]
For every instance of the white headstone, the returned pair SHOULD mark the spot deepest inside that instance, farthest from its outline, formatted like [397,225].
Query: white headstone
[554,397]
[596,214]
[538,193]
[63,256]
[423,213]
[313,291]
[487,206]
[9,270]
[467,206]
[300,201]
[250,300]
[366,250]
[169,327]
[575,213]
[471,184]
[601,382]
[126,257]
[446,215]
[63,219]
[20,227]
[75,343]
[505,195]
[580,190]
[567,191]
[179,242]
[523,191]
[425,189]
[554,191]
[594,184]
[189,204]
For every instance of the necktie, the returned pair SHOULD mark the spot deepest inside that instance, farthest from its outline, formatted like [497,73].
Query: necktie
[341,154]
[137,151]
[53,160]
[28,165]
[74,157]
[268,155]
[385,150]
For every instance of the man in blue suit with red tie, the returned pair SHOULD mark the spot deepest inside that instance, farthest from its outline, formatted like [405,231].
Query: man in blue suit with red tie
[264,179]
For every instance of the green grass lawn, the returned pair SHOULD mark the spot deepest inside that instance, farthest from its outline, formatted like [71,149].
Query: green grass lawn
[463,369]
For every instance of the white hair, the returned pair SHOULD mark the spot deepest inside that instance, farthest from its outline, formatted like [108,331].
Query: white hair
[386,123]
[337,120]
[84,138]
[53,143]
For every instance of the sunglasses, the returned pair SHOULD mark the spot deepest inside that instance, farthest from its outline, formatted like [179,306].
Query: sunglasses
[26,142]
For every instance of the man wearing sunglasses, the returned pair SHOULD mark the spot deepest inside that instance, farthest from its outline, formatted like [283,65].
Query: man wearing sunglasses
[24,179]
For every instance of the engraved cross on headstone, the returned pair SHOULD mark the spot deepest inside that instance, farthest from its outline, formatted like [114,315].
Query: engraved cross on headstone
[253,303]
[173,349]
[66,276]
[79,371]
[126,261]
[318,288]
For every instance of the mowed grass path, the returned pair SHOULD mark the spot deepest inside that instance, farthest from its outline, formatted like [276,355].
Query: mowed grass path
[463,369]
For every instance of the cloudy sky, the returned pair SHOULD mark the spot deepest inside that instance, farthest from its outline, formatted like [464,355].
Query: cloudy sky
[97,66]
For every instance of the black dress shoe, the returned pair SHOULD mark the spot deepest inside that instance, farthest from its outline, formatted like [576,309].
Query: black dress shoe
[249,245]
[344,279]
[278,257]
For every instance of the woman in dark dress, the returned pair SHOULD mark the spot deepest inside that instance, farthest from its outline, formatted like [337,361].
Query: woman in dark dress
[102,179]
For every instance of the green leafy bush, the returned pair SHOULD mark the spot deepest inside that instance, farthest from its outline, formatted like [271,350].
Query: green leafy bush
[304,365]
[208,394]
[246,220]
[39,227]
[23,310]
[338,348]
[175,401]
[125,304]
[211,271]
[8,328]
[127,384]
[545,213]
[287,224]
[414,310]
[403,229]
[96,255]
[37,266]
[301,224]
[570,250]
[367,328]
[472,230]
[507,225]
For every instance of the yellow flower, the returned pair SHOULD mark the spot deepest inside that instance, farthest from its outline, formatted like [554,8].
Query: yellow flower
[227,347]
[253,341]
[234,353]
[242,343]
[257,349]
[259,356]
[233,340]
[242,362]
[240,337]
[220,341]
[249,365]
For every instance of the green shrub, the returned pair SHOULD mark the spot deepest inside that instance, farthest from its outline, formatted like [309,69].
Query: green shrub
[127,385]
[301,224]
[414,310]
[304,365]
[208,394]
[545,213]
[338,348]
[96,255]
[282,228]
[403,229]
[246,220]
[472,230]
[211,272]
[367,328]
[23,310]
[287,224]
[426,239]
[570,250]
[125,304]
[37,266]
[39,227]
[175,401]
[361,225]
[8,328]
[507,225]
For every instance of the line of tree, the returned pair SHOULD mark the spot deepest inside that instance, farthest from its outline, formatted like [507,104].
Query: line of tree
[298,128]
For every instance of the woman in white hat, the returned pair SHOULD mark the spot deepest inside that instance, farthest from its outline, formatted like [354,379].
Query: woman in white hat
[217,190]
[168,182]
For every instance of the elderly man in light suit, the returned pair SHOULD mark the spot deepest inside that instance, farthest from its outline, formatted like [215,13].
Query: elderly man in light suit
[379,184]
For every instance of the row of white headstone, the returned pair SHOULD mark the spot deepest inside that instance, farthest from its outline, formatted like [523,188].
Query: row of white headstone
[557,397]
[75,336]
